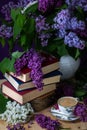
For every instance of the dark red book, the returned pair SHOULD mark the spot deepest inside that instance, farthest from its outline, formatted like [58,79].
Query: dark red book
[25,95]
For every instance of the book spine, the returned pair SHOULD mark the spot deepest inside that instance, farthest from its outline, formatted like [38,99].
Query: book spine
[11,80]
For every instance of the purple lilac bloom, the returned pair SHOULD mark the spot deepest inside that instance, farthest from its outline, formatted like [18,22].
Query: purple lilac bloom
[83,4]
[43,5]
[46,5]
[21,62]
[6,32]
[75,24]
[6,10]
[35,63]
[41,28]
[76,3]
[47,122]
[81,111]
[62,20]
[41,24]
[85,7]
[18,126]
[24,3]
[81,25]
[72,2]
[61,33]
[72,40]
[44,39]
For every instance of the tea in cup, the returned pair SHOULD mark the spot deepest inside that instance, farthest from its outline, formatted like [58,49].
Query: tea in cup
[67,104]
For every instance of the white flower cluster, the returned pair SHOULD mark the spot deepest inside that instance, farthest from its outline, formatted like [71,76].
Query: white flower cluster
[16,113]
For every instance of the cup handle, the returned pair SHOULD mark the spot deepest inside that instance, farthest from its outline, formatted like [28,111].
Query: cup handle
[77,98]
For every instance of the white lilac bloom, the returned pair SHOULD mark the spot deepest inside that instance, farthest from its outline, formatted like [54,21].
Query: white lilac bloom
[16,113]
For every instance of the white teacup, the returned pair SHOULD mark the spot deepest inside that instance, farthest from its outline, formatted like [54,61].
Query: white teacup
[67,104]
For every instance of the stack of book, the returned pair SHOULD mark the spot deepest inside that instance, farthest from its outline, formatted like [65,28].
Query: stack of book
[22,89]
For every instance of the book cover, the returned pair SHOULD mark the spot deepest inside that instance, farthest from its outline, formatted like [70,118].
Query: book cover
[25,95]
[49,64]
[52,77]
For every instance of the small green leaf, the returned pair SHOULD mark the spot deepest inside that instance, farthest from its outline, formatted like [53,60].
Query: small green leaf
[62,50]
[11,44]
[17,54]
[10,67]
[2,41]
[80,93]
[3,65]
[3,102]
[77,53]
[7,65]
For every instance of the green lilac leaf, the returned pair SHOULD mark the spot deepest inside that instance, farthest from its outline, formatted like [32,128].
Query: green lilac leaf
[11,44]
[10,67]
[80,13]
[23,40]
[77,54]
[80,93]
[3,102]
[7,65]
[18,25]
[17,54]
[62,50]
[3,65]
[31,28]
[14,13]
[2,41]
[33,8]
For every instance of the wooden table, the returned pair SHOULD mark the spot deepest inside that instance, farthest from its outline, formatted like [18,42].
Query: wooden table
[75,125]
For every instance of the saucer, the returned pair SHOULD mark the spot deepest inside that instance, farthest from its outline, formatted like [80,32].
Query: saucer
[62,116]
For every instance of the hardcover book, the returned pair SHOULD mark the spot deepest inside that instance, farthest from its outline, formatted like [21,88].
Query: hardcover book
[25,95]
[52,77]
[50,63]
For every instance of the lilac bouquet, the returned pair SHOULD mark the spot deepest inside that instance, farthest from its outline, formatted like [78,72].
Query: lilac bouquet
[81,110]
[57,27]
